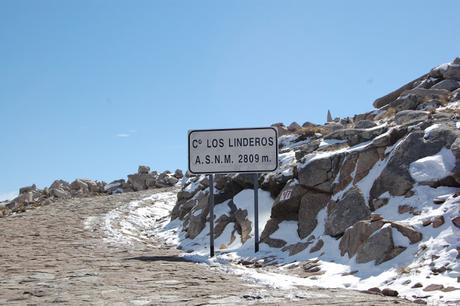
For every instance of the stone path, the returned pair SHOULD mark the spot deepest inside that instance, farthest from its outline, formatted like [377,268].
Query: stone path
[48,255]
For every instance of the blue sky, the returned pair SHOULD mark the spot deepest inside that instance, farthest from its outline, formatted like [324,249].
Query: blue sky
[95,88]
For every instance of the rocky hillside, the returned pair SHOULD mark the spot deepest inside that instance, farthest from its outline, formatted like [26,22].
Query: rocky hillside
[31,196]
[374,198]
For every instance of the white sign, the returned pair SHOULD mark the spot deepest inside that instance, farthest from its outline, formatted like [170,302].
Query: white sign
[232,150]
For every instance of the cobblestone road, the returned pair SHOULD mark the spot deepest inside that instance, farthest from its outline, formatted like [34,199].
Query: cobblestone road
[48,255]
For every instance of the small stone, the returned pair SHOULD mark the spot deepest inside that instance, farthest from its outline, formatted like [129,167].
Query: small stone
[374,290]
[449,289]
[426,222]
[439,200]
[433,287]
[406,282]
[389,292]
[417,285]
[317,246]
[437,221]
[402,209]
[456,221]
[438,270]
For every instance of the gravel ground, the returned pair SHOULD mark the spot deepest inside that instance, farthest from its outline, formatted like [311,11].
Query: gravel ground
[48,255]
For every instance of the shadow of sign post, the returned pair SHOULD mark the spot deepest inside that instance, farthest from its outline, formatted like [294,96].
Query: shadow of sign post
[223,151]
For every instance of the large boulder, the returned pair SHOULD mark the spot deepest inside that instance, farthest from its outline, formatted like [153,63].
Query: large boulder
[411,116]
[27,189]
[410,99]
[387,99]
[182,208]
[114,187]
[356,235]
[379,247]
[275,182]
[271,226]
[365,124]
[347,168]
[355,136]
[286,204]
[346,212]
[408,231]
[311,203]
[138,181]
[319,172]
[243,225]
[455,148]
[395,177]
[366,160]
[449,85]
[448,71]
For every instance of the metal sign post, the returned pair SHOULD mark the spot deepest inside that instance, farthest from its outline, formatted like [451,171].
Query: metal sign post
[244,150]
[211,215]
[256,212]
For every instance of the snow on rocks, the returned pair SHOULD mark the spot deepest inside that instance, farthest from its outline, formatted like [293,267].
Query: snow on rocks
[433,168]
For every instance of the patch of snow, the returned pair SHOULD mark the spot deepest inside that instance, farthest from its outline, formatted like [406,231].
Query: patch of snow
[434,167]
[429,129]
[328,142]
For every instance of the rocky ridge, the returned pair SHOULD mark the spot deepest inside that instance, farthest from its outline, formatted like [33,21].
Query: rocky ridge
[377,183]
[31,196]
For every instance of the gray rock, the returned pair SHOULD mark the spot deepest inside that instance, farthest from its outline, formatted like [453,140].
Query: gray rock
[410,99]
[387,99]
[452,71]
[178,174]
[346,212]
[355,136]
[60,193]
[347,168]
[143,169]
[365,124]
[379,247]
[286,204]
[281,129]
[274,183]
[455,148]
[272,226]
[307,148]
[310,204]
[320,173]
[413,116]
[195,226]
[60,184]
[114,187]
[318,246]
[79,185]
[198,201]
[294,126]
[243,225]
[296,248]
[138,181]
[355,236]
[449,85]
[366,160]
[395,178]
[27,189]
[413,235]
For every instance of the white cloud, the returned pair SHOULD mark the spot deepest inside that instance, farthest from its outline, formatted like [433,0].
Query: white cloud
[123,135]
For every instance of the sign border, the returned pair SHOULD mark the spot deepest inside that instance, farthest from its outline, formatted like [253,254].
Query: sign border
[234,129]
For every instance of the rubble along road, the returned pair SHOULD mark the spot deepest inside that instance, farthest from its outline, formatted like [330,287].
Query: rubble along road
[51,255]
